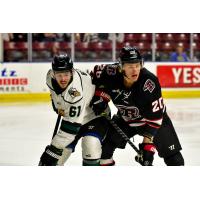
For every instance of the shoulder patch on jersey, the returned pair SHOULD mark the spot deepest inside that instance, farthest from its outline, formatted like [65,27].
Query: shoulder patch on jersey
[73,92]
[149,85]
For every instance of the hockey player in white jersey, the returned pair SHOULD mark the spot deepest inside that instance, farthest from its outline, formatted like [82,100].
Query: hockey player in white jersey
[71,92]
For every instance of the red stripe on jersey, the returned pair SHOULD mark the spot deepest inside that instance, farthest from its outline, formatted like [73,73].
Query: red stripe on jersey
[154,126]
[154,119]
[135,124]
[144,120]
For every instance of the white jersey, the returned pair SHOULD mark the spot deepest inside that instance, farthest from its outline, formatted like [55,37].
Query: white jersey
[75,99]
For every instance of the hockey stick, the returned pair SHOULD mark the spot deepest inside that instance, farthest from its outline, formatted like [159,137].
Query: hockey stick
[56,126]
[54,133]
[119,130]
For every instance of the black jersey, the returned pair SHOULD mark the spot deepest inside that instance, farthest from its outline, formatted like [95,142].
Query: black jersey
[141,105]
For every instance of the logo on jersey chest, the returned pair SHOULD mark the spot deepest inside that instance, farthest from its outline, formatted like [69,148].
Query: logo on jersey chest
[73,92]
[129,112]
[149,85]
[124,95]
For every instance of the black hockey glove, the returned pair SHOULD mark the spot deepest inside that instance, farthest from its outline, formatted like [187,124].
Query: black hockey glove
[99,102]
[146,156]
[50,156]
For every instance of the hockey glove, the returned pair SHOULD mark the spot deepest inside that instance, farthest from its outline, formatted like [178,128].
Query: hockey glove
[50,156]
[99,102]
[146,156]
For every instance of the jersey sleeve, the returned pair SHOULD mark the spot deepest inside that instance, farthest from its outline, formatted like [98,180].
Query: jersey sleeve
[98,75]
[154,107]
[102,75]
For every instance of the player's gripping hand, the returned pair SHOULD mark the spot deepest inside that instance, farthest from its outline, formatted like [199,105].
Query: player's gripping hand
[146,156]
[61,112]
[99,102]
[50,156]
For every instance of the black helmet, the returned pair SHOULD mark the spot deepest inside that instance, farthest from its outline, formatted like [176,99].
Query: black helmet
[62,63]
[130,55]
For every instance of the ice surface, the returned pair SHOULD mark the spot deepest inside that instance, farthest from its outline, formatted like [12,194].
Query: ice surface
[25,130]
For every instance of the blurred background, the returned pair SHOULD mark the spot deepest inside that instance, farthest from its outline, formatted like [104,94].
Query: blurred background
[94,47]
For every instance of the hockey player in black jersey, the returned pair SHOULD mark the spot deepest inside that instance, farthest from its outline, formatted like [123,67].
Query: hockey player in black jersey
[136,92]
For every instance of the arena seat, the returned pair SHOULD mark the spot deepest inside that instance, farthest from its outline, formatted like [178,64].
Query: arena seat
[196,36]
[143,46]
[144,37]
[182,37]
[128,37]
[64,45]
[194,45]
[49,45]
[9,45]
[107,46]
[119,45]
[146,46]
[158,37]
[165,46]
[82,46]
[138,37]
[167,37]
[197,46]
[96,46]
[164,37]
[185,45]
[15,45]
[21,45]
[38,46]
